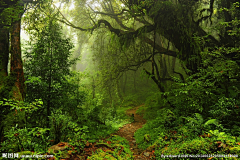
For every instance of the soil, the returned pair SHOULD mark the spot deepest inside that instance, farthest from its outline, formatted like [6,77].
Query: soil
[128,131]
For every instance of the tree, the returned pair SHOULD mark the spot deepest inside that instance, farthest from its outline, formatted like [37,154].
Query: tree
[47,72]
[11,23]
[214,90]
[10,14]
[11,85]
[177,22]
[129,35]
[147,31]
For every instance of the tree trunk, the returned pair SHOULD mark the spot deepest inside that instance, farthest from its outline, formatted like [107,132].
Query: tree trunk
[49,100]
[4,52]
[134,82]
[124,84]
[16,61]
[93,88]
[119,90]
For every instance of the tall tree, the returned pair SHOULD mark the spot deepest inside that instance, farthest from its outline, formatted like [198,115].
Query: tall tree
[47,71]
[16,60]
[10,14]
[11,85]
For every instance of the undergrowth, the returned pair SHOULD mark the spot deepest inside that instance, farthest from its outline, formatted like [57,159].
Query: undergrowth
[116,148]
[168,134]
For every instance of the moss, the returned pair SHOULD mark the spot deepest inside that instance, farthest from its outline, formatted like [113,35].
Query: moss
[6,89]
[15,93]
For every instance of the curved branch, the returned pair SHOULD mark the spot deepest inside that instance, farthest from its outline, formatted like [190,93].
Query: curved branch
[110,14]
[113,15]
[147,28]
[181,76]
[118,32]
[138,64]
[158,82]
[160,49]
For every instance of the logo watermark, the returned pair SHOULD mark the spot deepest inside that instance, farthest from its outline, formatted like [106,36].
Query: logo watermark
[16,155]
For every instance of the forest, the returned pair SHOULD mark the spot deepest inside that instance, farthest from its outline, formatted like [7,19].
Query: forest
[120,79]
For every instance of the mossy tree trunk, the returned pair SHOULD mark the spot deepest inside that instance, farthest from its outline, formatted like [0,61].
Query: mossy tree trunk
[4,52]
[16,60]
[10,14]
[9,83]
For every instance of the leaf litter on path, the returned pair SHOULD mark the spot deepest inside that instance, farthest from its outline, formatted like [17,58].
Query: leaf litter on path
[127,132]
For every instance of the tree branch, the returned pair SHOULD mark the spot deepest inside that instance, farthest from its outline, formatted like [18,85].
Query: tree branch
[181,76]
[158,82]
[109,14]
[160,49]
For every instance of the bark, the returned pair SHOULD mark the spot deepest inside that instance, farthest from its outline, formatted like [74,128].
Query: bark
[125,83]
[16,60]
[134,82]
[4,52]
[49,102]
[93,88]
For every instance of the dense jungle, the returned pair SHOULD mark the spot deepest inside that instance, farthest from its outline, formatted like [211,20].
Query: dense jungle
[120,79]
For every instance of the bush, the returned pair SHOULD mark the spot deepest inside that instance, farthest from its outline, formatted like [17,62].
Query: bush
[147,135]
[214,142]
[226,110]
[33,139]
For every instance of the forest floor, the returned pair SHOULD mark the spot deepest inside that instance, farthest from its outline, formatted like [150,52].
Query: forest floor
[128,130]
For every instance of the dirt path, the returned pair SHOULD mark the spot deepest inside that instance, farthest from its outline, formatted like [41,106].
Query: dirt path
[128,131]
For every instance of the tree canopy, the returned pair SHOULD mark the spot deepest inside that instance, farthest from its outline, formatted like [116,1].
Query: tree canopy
[94,66]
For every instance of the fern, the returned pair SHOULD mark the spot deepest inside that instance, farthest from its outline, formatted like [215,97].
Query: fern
[211,121]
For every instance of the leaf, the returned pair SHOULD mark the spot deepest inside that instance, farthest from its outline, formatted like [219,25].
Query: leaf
[199,117]
[211,121]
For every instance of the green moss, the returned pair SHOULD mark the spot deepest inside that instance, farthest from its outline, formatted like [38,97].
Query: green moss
[6,89]
[113,150]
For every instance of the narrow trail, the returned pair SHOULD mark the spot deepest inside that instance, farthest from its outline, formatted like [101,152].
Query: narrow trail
[128,130]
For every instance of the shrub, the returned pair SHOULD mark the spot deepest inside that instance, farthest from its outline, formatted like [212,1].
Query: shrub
[33,139]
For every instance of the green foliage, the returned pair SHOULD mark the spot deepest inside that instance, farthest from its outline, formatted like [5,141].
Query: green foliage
[155,127]
[214,143]
[25,139]
[217,80]
[153,104]
[101,155]
[48,74]
[196,125]
[18,132]
[141,110]
[5,90]
[10,13]
[227,111]
[118,149]
[19,113]
[117,116]
[212,92]
[63,128]
[78,114]
[193,96]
